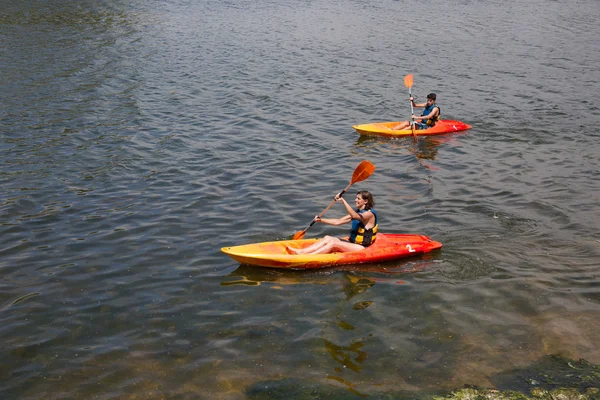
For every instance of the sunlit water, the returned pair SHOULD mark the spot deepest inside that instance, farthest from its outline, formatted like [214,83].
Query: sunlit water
[138,138]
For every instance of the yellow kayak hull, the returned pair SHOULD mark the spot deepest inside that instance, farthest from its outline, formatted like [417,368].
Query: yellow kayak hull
[274,255]
[387,128]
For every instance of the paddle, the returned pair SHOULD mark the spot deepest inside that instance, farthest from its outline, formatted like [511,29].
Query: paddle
[362,172]
[408,81]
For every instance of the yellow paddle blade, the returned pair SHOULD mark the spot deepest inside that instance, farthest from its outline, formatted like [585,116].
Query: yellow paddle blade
[408,81]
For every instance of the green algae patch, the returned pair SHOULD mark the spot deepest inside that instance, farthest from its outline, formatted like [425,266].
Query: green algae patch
[550,373]
[550,378]
[482,394]
[536,394]
[301,390]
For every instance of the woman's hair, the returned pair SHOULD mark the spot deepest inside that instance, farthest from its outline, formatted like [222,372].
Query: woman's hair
[368,197]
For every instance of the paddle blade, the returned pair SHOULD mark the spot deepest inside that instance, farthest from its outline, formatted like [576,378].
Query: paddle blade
[362,172]
[408,81]
[299,235]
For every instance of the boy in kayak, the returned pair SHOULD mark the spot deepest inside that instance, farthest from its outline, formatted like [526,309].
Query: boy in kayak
[362,234]
[431,114]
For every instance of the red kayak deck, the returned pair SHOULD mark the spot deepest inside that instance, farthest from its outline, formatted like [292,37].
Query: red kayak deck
[386,128]
[387,247]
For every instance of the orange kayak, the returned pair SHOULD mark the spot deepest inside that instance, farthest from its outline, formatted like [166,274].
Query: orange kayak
[387,247]
[385,128]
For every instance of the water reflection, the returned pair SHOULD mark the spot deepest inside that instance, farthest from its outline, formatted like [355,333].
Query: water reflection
[358,277]
[357,285]
[346,330]
[426,148]
[350,356]
[340,336]
[253,276]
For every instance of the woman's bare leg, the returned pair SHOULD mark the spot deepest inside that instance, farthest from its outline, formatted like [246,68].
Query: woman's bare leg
[310,249]
[337,245]
[327,245]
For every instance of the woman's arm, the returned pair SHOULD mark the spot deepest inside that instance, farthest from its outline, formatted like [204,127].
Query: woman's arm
[367,217]
[351,212]
[343,220]
[334,221]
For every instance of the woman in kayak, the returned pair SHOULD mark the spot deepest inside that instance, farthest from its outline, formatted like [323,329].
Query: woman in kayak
[431,114]
[362,234]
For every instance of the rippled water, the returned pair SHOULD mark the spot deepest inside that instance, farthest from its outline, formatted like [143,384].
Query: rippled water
[138,138]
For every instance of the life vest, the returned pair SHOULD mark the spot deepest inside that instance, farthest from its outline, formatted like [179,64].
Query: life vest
[360,235]
[431,121]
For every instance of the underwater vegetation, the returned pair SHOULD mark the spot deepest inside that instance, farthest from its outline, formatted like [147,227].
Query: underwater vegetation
[551,378]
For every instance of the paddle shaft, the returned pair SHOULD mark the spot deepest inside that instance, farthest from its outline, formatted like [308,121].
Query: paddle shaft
[329,206]
[412,112]
[408,82]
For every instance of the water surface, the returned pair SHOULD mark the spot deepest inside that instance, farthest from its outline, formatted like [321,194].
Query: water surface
[138,138]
